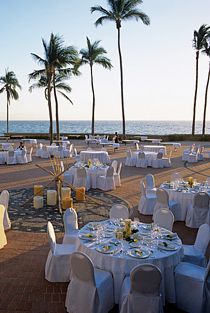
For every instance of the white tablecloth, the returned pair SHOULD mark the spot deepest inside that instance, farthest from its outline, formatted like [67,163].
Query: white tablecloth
[30,141]
[92,173]
[3,155]
[52,149]
[121,265]
[149,155]
[6,145]
[102,156]
[154,148]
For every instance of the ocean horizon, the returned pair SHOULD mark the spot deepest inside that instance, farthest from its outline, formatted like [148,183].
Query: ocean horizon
[105,127]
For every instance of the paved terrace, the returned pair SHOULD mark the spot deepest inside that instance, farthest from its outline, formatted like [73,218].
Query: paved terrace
[23,288]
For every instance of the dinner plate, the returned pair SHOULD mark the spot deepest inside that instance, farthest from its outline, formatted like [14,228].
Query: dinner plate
[134,244]
[170,236]
[139,253]
[87,236]
[167,245]
[108,248]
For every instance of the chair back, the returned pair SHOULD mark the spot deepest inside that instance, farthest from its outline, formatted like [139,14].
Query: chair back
[164,218]
[137,146]
[201,200]
[75,152]
[119,211]
[70,220]
[51,237]
[142,188]
[11,153]
[81,172]
[114,165]
[146,279]
[129,153]
[110,172]
[202,238]
[4,198]
[119,168]
[162,197]
[160,155]
[82,268]
[141,155]
[150,181]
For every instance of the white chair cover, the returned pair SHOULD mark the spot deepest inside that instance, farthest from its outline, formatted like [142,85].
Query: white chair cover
[189,284]
[39,149]
[163,202]
[130,159]
[164,218]
[141,160]
[3,239]
[106,182]
[198,214]
[4,200]
[119,211]
[44,153]
[57,267]
[81,178]
[71,226]
[147,201]
[150,184]
[117,179]
[206,291]
[158,163]
[11,159]
[141,292]
[167,161]
[29,155]
[196,253]
[90,290]
[21,157]
[114,165]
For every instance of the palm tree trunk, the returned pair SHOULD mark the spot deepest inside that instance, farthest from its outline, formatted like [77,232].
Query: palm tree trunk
[7,115]
[205,103]
[93,105]
[195,96]
[121,81]
[50,109]
[56,110]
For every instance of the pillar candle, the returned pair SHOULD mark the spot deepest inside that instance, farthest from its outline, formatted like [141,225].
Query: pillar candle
[38,202]
[67,203]
[51,197]
[65,192]
[80,193]
[38,190]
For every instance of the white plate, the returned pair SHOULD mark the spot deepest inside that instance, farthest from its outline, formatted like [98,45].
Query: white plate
[87,236]
[108,248]
[170,236]
[139,253]
[167,245]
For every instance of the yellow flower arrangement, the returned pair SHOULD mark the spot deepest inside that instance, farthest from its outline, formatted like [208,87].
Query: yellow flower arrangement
[89,163]
[190,182]
[127,228]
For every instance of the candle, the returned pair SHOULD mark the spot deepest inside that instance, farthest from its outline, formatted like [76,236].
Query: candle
[51,197]
[65,192]
[80,194]
[38,190]
[38,202]
[67,203]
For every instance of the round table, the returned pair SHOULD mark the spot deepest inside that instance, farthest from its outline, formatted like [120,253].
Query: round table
[102,156]
[120,263]
[149,156]
[154,148]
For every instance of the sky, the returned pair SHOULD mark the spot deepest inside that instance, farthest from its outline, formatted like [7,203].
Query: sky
[158,60]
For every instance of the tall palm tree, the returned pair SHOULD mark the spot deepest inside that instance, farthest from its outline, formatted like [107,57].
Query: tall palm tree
[94,54]
[198,43]
[118,11]
[207,52]
[56,57]
[10,85]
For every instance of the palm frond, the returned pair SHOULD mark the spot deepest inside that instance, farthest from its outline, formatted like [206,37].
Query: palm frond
[66,97]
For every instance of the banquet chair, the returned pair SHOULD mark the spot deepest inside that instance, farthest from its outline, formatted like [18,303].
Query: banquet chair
[158,162]
[137,146]
[21,157]
[3,238]
[141,291]
[147,201]
[75,154]
[2,158]
[119,211]
[141,160]
[39,149]
[130,159]
[164,202]
[196,253]
[198,213]
[167,161]
[90,289]
[4,200]
[70,221]
[68,151]
[192,285]
[117,179]
[29,155]
[106,182]
[150,184]
[114,165]
[11,158]
[57,267]
[44,153]
[81,179]
[164,218]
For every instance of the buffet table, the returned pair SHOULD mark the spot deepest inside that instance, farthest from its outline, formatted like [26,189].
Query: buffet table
[119,257]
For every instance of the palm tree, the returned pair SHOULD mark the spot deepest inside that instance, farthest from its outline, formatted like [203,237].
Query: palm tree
[118,11]
[10,84]
[94,54]
[56,58]
[198,43]
[207,52]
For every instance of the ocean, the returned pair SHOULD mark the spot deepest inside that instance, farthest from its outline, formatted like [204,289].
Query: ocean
[103,127]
